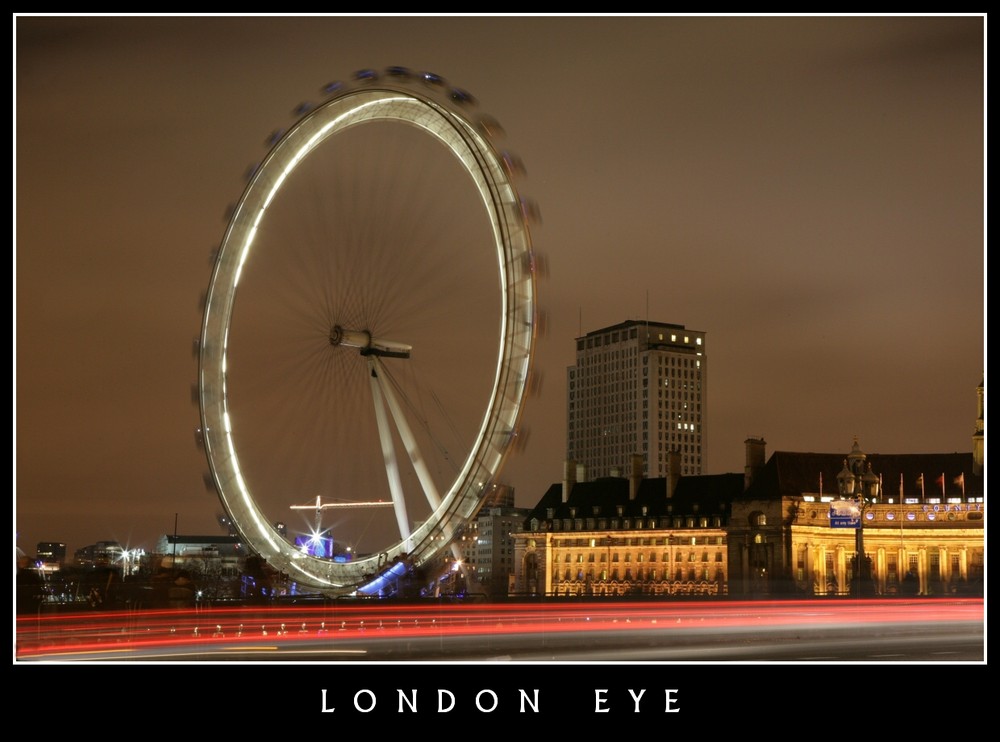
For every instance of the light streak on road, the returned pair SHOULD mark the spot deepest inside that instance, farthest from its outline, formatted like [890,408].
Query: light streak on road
[338,631]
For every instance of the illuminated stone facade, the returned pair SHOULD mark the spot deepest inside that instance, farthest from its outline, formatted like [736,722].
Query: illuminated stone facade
[628,536]
[765,533]
[924,534]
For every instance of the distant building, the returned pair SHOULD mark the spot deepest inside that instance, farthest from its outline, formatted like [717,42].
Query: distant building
[201,554]
[50,555]
[486,544]
[99,555]
[638,387]
[493,563]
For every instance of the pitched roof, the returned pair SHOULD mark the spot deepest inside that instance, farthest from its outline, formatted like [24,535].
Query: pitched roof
[705,494]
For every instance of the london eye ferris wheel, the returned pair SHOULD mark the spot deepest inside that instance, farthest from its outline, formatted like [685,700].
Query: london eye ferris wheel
[368,330]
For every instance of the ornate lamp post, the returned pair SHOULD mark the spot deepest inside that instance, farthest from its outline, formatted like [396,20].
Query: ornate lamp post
[856,482]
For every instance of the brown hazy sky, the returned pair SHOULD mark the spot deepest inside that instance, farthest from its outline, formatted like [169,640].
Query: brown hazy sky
[808,191]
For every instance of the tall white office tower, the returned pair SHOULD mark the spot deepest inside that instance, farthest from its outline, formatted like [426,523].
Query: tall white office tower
[638,387]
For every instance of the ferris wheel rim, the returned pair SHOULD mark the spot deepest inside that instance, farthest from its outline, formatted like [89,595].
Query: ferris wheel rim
[481,160]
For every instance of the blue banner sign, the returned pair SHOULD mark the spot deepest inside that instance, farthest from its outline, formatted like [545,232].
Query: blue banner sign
[845,514]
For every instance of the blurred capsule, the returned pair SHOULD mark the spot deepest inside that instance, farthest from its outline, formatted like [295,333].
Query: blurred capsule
[273,137]
[196,347]
[429,78]
[199,439]
[463,97]
[541,323]
[366,75]
[530,210]
[202,301]
[539,265]
[302,108]
[332,87]
[195,394]
[534,384]
[251,171]
[228,214]
[208,481]
[490,127]
[512,164]
[519,438]
[400,73]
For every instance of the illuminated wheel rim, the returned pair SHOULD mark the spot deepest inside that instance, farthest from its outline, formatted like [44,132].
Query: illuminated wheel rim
[457,500]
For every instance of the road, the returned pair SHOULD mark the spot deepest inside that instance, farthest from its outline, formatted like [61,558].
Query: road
[806,631]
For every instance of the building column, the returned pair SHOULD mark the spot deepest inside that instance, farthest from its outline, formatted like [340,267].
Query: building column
[840,569]
[745,568]
[820,577]
[807,564]
[545,568]
[923,570]
[880,570]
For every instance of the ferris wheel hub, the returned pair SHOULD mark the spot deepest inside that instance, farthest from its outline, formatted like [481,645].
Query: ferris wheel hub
[368,345]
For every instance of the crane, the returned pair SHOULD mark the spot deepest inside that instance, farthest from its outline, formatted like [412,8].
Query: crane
[320,506]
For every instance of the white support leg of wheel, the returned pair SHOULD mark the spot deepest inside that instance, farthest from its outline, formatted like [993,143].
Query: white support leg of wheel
[389,456]
[419,465]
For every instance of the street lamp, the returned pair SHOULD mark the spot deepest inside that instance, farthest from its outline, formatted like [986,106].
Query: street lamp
[856,482]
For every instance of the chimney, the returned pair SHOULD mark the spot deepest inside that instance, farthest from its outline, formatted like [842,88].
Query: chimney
[673,471]
[635,475]
[755,460]
[569,478]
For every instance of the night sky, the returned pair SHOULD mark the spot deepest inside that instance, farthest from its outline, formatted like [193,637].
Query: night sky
[807,191]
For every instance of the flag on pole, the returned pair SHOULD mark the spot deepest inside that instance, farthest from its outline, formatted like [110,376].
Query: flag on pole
[940,480]
[920,484]
[901,486]
[960,481]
